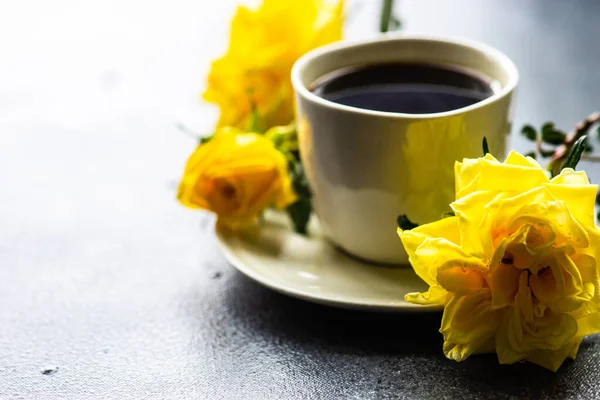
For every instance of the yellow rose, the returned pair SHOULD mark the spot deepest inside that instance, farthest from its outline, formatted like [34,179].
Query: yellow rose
[264,44]
[517,266]
[236,175]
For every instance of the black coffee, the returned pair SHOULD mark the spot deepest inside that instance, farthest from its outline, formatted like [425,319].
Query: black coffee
[413,88]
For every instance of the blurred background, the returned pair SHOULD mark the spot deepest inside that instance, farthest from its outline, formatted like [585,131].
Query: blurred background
[92,92]
[129,70]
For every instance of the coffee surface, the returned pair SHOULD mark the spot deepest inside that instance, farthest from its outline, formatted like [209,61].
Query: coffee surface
[412,88]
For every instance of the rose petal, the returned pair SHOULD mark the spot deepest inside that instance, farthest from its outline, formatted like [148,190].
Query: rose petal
[524,300]
[588,325]
[466,173]
[446,228]
[495,176]
[468,323]
[436,295]
[544,286]
[575,347]
[461,279]
[587,266]
[426,254]
[552,360]
[568,176]
[516,158]
[548,345]
[436,253]
[504,283]
[509,206]
[580,200]
[474,221]
[537,206]
[506,353]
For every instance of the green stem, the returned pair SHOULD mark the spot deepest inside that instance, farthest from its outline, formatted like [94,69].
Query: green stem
[386,15]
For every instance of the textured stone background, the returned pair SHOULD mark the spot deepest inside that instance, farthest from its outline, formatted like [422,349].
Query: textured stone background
[110,290]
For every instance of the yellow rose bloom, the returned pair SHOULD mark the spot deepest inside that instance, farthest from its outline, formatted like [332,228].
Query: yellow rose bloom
[264,44]
[236,175]
[517,266]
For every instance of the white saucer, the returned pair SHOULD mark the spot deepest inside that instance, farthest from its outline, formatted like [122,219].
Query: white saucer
[312,269]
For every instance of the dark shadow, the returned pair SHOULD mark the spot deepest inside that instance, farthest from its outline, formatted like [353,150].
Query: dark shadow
[404,342]
[305,323]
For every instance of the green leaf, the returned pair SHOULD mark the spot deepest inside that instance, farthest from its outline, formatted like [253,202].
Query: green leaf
[205,139]
[552,136]
[547,127]
[285,138]
[299,181]
[529,132]
[404,223]
[531,154]
[254,125]
[484,144]
[299,213]
[575,154]
[547,153]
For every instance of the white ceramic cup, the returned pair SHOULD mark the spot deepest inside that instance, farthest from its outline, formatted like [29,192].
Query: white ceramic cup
[367,167]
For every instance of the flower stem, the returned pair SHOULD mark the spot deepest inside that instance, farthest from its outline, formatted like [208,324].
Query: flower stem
[386,15]
[578,131]
[561,152]
[582,127]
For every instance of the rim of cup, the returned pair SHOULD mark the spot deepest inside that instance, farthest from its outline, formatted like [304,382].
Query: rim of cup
[500,58]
